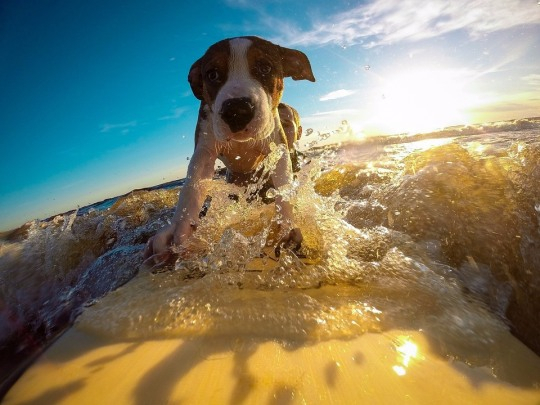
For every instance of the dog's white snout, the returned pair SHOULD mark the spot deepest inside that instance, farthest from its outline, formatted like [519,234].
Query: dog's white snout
[237,113]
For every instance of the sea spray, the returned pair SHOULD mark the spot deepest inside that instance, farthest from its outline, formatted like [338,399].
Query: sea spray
[349,281]
[435,232]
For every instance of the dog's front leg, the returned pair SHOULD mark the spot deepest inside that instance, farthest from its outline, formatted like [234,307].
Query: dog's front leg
[281,178]
[201,167]
[192,195]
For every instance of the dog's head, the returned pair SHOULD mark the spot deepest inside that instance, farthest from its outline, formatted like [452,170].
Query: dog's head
[241,80]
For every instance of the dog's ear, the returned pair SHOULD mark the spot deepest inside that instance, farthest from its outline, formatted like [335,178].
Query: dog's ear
[296,64]
[195,79]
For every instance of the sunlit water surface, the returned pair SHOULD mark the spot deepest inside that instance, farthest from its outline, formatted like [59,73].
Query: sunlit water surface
[438,234]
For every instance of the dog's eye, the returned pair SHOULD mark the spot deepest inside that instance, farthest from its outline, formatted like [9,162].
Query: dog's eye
[213,75]
[264,68]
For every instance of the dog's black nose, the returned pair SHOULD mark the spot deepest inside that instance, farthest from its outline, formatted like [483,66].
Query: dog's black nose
[237,113]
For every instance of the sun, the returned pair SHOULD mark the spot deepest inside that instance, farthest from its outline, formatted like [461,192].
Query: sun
[420,101]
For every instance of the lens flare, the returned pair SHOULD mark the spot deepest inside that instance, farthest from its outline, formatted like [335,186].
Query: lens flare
[407,350]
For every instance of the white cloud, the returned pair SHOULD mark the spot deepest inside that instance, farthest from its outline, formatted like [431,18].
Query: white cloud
[382,22]
[331,119]
[337,113]
[124,127]
[532,80]
[337,94]
[176,113]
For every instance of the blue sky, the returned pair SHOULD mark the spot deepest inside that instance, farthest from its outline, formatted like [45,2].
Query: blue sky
[94,100]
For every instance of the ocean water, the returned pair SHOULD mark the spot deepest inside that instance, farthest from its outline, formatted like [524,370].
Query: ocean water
[435,232]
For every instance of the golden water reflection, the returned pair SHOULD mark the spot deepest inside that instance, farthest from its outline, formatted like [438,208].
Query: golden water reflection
[407,351]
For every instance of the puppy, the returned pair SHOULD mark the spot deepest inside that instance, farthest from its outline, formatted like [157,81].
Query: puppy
[240,83]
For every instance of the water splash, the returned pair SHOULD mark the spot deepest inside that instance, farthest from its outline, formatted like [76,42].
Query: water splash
[439,237]
[353,279]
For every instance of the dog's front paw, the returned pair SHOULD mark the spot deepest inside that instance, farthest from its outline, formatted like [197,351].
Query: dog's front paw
[293,240]
[160,262]
[158,251]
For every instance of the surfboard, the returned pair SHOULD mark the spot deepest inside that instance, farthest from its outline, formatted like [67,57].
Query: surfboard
[104,365]
[382,368]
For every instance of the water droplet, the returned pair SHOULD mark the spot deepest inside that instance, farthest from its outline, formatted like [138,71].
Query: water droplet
[271,193]
[367,67]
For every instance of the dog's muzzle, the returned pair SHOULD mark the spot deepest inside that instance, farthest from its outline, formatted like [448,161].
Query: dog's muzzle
[237,113]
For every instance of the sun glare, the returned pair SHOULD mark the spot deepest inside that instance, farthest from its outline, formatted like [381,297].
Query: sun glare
[420,101]
[407,351]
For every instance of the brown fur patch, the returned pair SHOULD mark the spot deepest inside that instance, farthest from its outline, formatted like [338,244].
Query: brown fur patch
[214,61]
